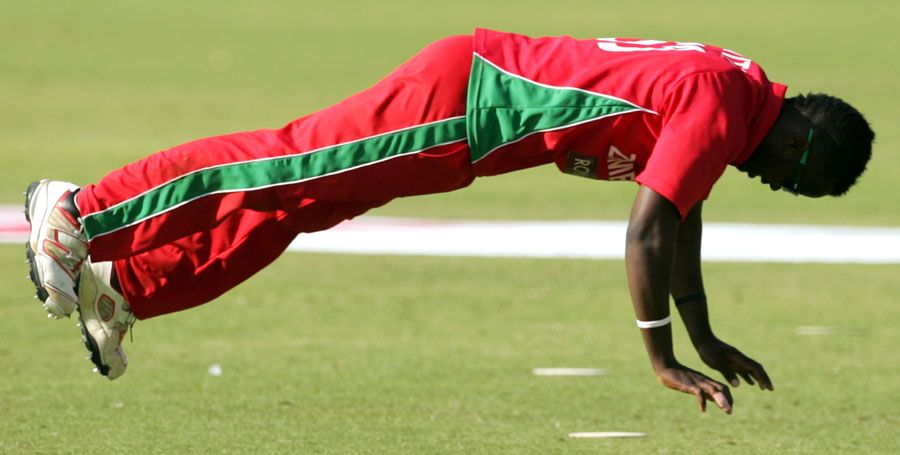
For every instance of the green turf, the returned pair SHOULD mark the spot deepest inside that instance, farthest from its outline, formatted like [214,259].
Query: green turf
[433,355]
[437,358]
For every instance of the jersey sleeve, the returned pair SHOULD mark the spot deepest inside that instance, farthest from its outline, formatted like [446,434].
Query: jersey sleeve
[705,127]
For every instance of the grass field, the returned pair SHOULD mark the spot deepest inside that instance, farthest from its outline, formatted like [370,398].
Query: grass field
[440,361]
[347,354]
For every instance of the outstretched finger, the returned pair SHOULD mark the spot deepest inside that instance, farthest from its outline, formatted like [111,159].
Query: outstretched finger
[730,376]
[723,402]
[750,369]
[719,393]
[701,397]
[760,374]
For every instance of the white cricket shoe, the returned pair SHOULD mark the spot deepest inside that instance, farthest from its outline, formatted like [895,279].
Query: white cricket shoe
[56,246]
[105,318]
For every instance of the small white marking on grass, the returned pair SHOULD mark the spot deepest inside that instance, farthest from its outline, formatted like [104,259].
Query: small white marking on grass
[827,330]
[607,434]
[815,330]
[215,369]
[568,371]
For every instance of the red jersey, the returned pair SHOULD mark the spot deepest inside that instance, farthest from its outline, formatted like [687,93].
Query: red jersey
[668,115]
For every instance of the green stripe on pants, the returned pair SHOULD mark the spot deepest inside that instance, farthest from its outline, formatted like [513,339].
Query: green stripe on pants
[281,170]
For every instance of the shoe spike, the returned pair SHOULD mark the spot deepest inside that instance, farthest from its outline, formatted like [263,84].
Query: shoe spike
[96,370]
[49,316]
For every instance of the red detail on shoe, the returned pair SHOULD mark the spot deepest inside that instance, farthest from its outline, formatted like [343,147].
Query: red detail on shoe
[53,246]
[106,307]
[68,216]
[56,290]
[55,250]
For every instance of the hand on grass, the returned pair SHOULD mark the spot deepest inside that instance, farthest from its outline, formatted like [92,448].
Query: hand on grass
[733,363]
[684,379]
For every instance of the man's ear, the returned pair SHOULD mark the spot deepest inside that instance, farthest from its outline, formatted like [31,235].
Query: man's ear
[797,144]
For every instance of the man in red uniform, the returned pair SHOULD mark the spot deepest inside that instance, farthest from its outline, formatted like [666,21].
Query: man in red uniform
[180,227]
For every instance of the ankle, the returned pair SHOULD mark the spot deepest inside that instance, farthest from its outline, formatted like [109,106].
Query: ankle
[114,280]
[70,205]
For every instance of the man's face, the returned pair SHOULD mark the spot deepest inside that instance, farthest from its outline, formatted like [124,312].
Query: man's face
[773,170]
[778,161]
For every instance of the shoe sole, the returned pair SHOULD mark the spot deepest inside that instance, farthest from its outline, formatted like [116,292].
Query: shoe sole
[42,293]
[91,344]
[35,276]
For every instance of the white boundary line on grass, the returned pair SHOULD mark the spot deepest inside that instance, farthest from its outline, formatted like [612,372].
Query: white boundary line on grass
[607,434]
[730,242]
[601,240]
[566,371]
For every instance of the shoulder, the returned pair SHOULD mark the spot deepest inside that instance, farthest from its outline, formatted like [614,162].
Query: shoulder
[713,90]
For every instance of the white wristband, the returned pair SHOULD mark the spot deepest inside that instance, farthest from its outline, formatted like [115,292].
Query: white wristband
[654,324]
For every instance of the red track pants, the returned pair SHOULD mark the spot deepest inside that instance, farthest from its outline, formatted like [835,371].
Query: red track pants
[187,224]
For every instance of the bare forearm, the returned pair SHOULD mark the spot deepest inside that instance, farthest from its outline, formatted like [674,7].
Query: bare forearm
[649,263]
[695,316]
[647,282]
[687,278]
[649,255]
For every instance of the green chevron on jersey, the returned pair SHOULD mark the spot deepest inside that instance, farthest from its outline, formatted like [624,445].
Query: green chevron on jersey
[258,174]
[503,107]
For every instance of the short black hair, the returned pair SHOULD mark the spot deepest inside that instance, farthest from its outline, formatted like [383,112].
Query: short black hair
[849,136]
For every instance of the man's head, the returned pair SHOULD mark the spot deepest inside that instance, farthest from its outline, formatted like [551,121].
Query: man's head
[818,146]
